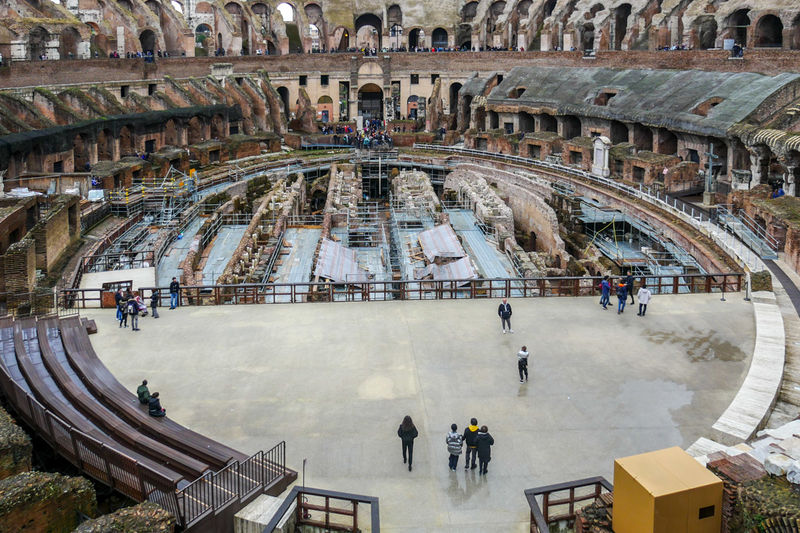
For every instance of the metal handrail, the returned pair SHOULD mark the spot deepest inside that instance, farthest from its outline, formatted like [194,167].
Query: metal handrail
[540,519]
[297,493]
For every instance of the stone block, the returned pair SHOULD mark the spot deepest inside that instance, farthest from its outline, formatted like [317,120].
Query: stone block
[41,501]
[15,447]
[146,517]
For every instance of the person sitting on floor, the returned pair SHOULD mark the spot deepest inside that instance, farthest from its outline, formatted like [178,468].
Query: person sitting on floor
[155,406]
[143,393]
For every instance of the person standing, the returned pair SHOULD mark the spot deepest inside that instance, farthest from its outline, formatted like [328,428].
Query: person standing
[117,299]
[644,296]
[133,311]
[622,296]
[504,312]
[155,300]
[605,292]
[174,289]
[629,286]
[455,441]
[522,363]
[470,434]
[407,433]
[154,406]
[484,443]
[122,313]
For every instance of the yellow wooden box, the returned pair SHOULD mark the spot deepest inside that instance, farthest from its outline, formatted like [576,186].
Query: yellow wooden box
[665,491]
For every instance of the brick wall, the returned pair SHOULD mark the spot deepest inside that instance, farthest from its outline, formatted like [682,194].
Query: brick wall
[56,232]
[18,267]
[43,73]
[39,501]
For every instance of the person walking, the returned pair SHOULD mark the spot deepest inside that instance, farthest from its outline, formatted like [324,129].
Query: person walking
[605,292]
[174,289]
[629,286]
[143,392]
[484,442]
[455,441]
[155,300]
[133,311]
[470,434]
[644,296]
[522,363]
[622,296]
[154,406]
[504,312]
[407,433]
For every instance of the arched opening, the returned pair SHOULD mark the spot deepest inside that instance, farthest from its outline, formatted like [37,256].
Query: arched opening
[454,88]
[148,41]
[795,44]
[495,10]
[68,43]
[105,146]
[587,36]
[370,102]
[368,31]
[195,131]
[739,23]
[289,16]
[526,122]
[394,19]
[416,39]
[37,43]
[769,32]
[395,37]
[439,38]
[236,13]
[80,152]
[412,104]
[706,30]
[523,8]
[621,15]
[283,92]
[203,42]
[571,126]
[218,127]
[171,133]
[126,5]
[480,118]
[342,37]
[126,141]
[325,108]
[154,7]
[469,11]
[548,123]
[271,49]
[314,34]
[98,42]
[494,120]
[549,6]
[667,142]
[642,137]
[619,132]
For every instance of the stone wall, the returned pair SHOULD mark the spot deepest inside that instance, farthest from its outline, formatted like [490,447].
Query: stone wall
[15,447]
[18,267]
[146,517]
[39,501]
[59,229]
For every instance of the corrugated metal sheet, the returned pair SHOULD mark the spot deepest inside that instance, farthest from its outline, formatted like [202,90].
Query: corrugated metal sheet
[461,269]
[337,263]
[440,241]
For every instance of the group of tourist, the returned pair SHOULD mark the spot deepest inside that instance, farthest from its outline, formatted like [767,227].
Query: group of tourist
[624,288]
[478,443]
[130,305]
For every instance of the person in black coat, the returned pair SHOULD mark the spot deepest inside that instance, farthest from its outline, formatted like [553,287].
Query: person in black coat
[155,301]
[154,405]
[504,312]
[407,433]
[484,441]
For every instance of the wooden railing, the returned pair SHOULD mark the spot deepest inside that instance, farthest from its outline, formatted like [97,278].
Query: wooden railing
[557,506]
[256,293]
[327,509]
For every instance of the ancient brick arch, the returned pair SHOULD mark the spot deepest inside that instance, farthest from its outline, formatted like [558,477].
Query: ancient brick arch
[196,130]
[795,35]
[705,30]
[171,137]
[80,152]
[768,32]
[739,25]
[105,145]
[68,43]
[218,127]
[37,42]
[439,38]
[148,41]
[127,143]
[368,22]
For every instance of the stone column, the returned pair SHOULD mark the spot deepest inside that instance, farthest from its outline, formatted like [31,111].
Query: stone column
[757,156]
[602,145]
[790,185]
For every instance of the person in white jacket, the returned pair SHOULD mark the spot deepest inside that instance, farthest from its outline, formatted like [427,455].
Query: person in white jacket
[643,295]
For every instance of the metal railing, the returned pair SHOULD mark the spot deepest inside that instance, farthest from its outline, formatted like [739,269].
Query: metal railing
[269,293]
[556,507]
[117,261]
[327,509]
[687,212]
[36,303]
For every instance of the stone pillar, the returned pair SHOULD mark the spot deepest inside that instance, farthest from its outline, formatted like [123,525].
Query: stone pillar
[52,49]
[602,145]
[84,50]
[757,156]
[790,185]
[121,41]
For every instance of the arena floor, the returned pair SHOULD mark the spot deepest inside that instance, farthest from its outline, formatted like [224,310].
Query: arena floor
[335,380]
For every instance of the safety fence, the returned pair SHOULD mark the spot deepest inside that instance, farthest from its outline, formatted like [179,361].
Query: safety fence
[328,510]
[560,501]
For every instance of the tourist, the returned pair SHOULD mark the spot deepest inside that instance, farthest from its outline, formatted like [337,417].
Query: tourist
[470,435]
[777,193]
[522,363]
[117,299]
[455,441]
[122,307]
[174,288]
[154,406]
[644,296]
[407,433]
[605,292]
[629,286]
[504,312]
[622,296]
[155,299]
[484,442]
[133,311]
[143,393]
